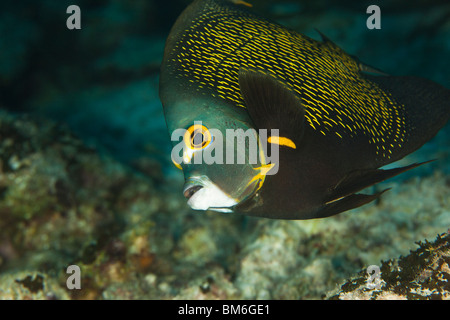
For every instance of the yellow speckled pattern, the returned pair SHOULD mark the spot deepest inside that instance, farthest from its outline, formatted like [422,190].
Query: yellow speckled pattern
[337,99]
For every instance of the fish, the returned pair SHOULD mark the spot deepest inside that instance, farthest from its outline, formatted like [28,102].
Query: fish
[332,121]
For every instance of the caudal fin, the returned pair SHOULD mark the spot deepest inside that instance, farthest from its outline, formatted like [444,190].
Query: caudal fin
[427,106]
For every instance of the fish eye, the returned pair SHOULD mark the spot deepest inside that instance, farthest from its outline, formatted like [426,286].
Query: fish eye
[197,137]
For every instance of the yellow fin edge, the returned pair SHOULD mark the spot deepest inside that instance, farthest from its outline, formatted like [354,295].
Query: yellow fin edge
[238,2]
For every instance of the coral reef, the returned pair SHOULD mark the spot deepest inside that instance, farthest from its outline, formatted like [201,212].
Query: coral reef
[133,237]
[27,285]
[423,274]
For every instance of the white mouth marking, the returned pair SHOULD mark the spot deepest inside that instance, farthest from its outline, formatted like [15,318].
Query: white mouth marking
[210,197]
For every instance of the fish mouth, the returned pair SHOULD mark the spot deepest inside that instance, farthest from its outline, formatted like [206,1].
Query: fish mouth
[202,194]
[192,185]
[190,190]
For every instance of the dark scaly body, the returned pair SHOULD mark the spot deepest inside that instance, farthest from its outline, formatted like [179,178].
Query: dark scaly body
[355,122]
[338,100]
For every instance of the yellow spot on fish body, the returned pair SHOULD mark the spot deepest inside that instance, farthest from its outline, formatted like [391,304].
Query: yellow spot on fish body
[282,141]
[261,175]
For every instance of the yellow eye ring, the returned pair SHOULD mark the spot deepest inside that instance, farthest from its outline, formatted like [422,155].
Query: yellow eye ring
[197,137]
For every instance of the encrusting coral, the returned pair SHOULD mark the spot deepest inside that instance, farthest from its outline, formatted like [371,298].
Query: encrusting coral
[423,274]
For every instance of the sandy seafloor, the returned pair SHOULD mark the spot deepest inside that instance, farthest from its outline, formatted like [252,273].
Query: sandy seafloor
[86,176]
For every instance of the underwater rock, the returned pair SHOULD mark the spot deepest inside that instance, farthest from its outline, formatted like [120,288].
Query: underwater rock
[305,259]
[30,285]
[133,237]
[58,196]
[423,274]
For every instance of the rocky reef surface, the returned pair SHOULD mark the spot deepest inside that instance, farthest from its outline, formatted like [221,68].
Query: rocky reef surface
[133,237]
[86,178]
[423,274]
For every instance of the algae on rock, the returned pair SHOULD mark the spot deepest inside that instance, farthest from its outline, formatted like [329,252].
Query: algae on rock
[424,274]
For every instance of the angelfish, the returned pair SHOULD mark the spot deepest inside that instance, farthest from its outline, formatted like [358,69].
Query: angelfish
[338,119]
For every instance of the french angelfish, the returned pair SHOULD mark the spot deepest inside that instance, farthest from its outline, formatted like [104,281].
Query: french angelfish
[338,120]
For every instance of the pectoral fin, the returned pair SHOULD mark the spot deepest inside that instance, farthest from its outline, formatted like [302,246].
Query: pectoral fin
[271,104]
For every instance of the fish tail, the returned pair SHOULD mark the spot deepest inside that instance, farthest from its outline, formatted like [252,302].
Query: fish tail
[426,103]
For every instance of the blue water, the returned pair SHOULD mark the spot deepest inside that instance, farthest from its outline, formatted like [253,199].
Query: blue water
[102,81]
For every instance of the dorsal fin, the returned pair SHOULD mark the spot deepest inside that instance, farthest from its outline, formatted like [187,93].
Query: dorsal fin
[324,38]
[361,66]
[369,69]
[241,2]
